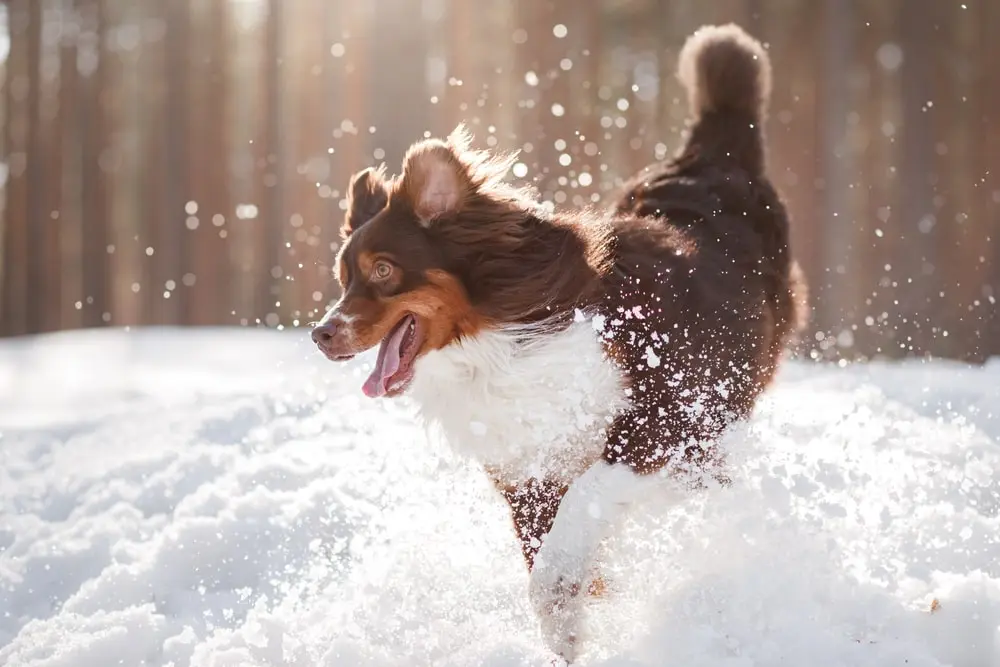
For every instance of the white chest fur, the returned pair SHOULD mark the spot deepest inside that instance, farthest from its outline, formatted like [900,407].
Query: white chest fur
[535,409]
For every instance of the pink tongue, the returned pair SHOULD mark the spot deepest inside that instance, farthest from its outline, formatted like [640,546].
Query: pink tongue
[387,362]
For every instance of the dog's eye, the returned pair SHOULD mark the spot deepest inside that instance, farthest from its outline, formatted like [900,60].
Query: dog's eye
[381,270]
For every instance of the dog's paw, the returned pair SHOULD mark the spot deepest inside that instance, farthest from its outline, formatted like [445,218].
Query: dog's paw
[557,594]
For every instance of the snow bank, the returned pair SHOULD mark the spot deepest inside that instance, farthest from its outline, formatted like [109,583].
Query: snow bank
[223,498]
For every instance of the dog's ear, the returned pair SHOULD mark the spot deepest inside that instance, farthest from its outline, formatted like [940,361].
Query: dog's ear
[436,180]
[367,194]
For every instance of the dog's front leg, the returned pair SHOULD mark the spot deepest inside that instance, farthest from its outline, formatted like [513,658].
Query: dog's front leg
[533,504]
[590,510]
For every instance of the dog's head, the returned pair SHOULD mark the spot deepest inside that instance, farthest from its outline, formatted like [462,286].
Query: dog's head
[411,247]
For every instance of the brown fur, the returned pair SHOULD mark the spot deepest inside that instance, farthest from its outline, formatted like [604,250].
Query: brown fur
[691,262]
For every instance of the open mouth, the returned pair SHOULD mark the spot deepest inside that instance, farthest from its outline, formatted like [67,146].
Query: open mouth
[394,364]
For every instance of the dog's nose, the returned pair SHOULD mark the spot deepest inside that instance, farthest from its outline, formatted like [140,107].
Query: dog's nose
[324,333]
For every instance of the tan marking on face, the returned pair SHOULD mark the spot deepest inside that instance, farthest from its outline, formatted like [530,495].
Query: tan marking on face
[444,309]
[366,260]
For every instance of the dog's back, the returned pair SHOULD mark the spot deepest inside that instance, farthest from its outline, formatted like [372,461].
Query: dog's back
[716,188]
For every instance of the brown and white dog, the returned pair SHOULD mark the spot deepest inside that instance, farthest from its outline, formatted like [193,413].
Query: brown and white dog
[575,353]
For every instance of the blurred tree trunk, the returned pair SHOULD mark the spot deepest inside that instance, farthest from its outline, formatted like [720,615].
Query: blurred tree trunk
[22,238]
[210,207]
[170,230]
[163,215]
[803,99]
[71,258]
[309,164]
[585,36]
[120,161]
[915,245]
[988,169]
[269,164]
[401,50]
[877,85]
[4,156]
[527,43]
[47,293]
[37,224]
[841,232]
[94,132]
[559,111]
[340,83]
[960,269]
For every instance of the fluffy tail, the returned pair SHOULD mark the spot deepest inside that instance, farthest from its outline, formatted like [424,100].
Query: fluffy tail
[727,74]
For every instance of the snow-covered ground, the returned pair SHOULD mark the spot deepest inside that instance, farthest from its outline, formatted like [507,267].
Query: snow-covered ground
[229,498]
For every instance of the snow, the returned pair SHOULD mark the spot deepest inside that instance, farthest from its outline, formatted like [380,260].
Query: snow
[227,497]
